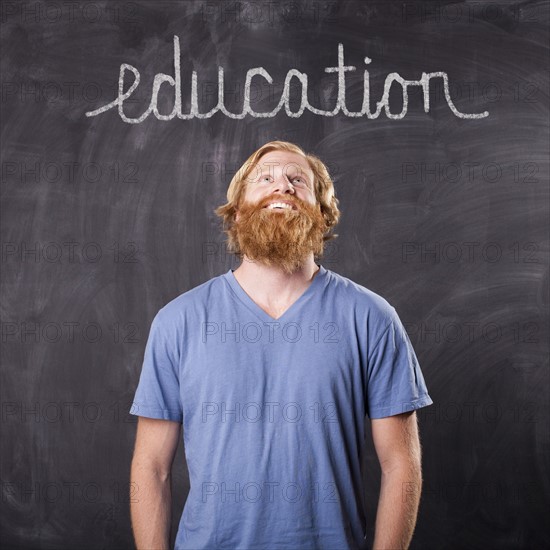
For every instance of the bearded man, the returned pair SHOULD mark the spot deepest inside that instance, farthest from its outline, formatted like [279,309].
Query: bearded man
[272,369]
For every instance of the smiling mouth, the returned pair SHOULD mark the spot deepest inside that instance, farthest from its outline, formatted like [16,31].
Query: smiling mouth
[277,206]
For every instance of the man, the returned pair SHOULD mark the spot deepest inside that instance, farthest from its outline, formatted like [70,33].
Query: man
[272,368]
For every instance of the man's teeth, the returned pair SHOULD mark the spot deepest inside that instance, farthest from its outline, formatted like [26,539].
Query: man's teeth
[279,205]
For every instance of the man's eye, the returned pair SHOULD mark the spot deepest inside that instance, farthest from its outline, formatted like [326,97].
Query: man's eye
[300,180]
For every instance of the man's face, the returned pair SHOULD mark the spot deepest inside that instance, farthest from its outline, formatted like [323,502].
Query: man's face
[283,237]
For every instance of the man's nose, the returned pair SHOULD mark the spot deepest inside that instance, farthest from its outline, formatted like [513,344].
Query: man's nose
[282,183]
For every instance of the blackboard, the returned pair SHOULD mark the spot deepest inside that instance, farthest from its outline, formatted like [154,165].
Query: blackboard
[444,199]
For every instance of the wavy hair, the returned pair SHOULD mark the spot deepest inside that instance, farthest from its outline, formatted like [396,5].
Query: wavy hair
[323,187]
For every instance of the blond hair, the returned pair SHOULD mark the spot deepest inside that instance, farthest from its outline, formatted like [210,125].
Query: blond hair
[322,185]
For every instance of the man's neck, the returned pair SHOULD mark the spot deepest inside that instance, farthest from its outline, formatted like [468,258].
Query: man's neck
[270,285]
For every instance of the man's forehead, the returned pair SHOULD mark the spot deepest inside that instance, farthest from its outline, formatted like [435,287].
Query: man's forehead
[284,162]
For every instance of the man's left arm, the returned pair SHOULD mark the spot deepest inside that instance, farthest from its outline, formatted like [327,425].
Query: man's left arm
[398,448]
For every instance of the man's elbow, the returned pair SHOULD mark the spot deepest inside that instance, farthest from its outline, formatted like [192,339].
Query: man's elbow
[408,466]
[144,466]
[405,476]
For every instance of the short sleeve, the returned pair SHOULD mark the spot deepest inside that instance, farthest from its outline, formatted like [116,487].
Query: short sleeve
[395,383]
[158,391]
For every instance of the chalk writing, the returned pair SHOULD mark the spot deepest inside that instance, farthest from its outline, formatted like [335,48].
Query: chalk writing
[341,69]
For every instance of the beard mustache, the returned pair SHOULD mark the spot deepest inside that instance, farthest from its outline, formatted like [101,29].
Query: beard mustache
[283,238]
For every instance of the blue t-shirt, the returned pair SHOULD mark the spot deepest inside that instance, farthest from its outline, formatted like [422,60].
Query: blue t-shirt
[274,410]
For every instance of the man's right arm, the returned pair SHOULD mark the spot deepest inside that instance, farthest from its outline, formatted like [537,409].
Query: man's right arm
[150,476]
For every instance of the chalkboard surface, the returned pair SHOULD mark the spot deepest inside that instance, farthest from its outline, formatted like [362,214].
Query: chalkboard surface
[438,146]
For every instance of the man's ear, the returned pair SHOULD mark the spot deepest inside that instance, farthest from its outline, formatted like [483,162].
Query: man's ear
[236,215]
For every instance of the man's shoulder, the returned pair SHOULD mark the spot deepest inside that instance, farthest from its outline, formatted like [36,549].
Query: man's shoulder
[363,299]
[191,298]
[348,288]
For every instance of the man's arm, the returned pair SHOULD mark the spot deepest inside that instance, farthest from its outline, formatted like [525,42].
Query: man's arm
[398,448]
[150,501]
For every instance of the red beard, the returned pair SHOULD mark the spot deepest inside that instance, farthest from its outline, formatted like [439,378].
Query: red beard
[283,238]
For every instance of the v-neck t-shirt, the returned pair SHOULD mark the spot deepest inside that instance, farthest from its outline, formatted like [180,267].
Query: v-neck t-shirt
[274,410]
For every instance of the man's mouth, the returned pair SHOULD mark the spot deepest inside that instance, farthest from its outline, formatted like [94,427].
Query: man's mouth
[280,206]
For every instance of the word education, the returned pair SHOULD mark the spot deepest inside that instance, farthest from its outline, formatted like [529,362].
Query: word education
[340,70]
